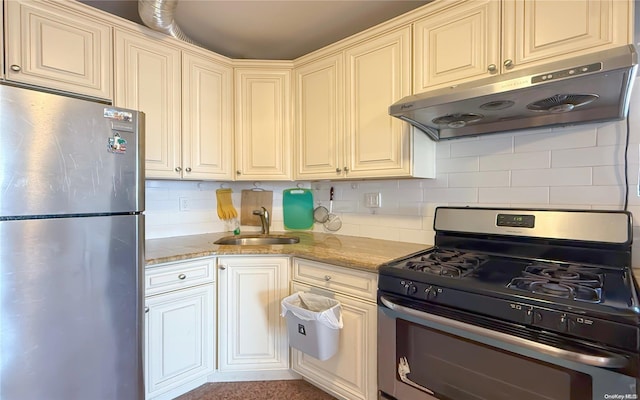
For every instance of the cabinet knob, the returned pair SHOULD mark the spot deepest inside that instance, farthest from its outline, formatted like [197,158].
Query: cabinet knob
[327,278]
[346,170]
[338,170]
[146,310]
[222,267]
[178,169]
[15,68]
[238,172]
[182,277]
[508,63]
[492,68]
[188,169]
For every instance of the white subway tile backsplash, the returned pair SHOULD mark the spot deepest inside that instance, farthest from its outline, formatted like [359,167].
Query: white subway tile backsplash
[462,164]
[585,157]
[593,195]
[479,179]
[513,195]
[559,138]
[446,195]
[486,144]
[506,162]
[443,149]
[614,175]
[551,177]
[611,133]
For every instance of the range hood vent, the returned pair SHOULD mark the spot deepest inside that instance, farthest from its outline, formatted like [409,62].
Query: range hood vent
[591,88]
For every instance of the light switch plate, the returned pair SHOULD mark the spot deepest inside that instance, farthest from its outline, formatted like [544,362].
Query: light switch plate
[373,200]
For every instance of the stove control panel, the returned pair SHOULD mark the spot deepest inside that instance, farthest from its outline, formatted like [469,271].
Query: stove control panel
[543,318]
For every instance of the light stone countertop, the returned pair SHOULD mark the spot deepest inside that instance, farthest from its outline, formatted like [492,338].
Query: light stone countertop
[346,251]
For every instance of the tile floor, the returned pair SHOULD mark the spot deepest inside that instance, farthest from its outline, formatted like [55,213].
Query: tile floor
[258,390]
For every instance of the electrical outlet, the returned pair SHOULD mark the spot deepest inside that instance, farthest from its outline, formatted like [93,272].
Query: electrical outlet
[373,200]
[185,204]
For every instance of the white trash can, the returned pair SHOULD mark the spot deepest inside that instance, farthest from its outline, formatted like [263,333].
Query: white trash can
[313,323]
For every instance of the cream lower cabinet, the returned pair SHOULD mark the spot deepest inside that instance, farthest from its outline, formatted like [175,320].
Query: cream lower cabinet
[252,336]
[343,128]
[179,327]
[54,46]
[351,374]
[187,101]
[467,40]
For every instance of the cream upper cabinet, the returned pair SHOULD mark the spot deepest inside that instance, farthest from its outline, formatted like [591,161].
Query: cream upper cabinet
[537,31]
[319,114]
[148,78]
[252,335]
[187,101]
[343,127]
[378,73]
[457,44]
[55,47]
[207,118]
[466,40]
[262,123]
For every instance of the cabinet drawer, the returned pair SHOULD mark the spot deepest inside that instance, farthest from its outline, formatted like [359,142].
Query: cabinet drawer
[339,279]
[167,277]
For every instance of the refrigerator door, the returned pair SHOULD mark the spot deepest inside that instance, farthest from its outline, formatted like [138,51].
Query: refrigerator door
[60,155]
[70,308]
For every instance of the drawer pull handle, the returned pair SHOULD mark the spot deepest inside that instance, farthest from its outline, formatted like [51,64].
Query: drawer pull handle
[146,310]
[327,278]
[222,267]
[182,277]
[16,68]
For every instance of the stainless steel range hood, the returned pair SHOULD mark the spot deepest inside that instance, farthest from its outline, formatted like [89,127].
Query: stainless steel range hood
[589,88]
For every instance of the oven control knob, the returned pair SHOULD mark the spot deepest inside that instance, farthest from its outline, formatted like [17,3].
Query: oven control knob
[431,292]
[412,289]
[537,317]
[528,317]
[564,322]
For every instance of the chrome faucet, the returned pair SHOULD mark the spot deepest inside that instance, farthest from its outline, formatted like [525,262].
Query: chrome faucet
[265,219]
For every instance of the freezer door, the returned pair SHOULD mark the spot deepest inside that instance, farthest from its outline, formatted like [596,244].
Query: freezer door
[60,155]
[70,308]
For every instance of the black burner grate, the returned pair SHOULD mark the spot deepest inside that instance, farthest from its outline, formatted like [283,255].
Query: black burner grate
[569,281]
[448,263]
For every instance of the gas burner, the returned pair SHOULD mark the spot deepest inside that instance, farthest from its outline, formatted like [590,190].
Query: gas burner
[449,263]
[569,281]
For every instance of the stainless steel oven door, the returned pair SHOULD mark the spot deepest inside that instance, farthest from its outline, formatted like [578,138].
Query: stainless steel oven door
[426,358]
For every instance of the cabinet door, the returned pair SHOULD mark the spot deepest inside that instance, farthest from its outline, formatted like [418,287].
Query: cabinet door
[252,335]
[57,48]
[352,372]
[378,74]
[148,79]
[537,31]
[207,118]
[457,44]
[263,112]
[180,342]
[319,119]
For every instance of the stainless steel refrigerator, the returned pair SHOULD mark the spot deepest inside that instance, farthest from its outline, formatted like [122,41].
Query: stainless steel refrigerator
[71,248]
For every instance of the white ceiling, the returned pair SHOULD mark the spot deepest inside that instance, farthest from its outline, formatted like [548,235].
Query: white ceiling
[266,29]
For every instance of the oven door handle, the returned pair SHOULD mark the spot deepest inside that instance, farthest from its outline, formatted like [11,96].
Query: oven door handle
[404,370]
[606,360]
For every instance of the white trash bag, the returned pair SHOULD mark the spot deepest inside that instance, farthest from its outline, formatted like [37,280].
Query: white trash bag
[313,307]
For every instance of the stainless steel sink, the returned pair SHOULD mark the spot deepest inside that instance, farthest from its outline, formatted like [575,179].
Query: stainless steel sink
[257,240]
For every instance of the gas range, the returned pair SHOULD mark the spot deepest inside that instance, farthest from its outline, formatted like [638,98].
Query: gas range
[511,294]
[512,270]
